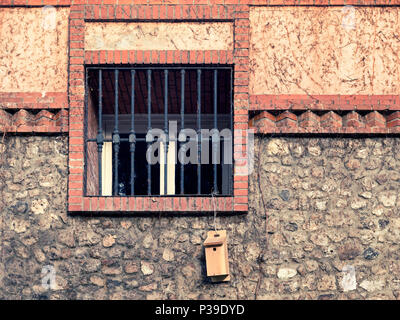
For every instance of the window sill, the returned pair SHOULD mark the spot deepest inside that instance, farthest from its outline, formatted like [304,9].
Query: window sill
[181,204]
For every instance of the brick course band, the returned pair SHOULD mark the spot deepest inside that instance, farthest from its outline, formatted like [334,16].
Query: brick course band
[156,204]
[201,2]
[23,121]
[156,11]
[325,102]
[159,57]
[33,100]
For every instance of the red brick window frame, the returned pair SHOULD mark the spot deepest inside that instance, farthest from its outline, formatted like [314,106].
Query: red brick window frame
[79,58]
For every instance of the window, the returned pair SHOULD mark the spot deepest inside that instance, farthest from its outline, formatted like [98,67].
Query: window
[158,131]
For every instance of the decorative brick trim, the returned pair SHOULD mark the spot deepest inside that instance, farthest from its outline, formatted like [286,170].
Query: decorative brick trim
[159,57]
[325,102]
[329,122]
[24,121]
[33,112]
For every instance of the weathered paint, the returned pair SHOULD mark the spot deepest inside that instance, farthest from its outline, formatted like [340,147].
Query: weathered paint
[33,49]
[324,50]
[159,36]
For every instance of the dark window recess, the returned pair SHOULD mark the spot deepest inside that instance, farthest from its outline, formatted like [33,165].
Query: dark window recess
[123,103]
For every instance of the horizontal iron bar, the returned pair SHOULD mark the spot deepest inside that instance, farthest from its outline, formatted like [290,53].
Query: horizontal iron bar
[144,139]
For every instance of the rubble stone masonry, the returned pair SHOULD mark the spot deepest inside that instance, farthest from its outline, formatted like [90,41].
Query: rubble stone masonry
[328,206]
[319,216]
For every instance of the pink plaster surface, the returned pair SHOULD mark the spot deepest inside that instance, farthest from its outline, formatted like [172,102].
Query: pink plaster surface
[33,49]
[325,50]
[159,36]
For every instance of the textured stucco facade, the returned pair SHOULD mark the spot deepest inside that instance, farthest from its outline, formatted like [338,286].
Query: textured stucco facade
[33,50]
[324,50]
[159,36]
[327,205]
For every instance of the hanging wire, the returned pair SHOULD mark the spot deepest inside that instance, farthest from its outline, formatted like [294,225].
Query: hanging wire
[215,210]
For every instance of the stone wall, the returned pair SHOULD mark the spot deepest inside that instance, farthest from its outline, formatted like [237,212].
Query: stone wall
[328,204]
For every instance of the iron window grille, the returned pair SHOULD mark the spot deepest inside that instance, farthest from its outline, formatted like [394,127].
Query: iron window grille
[124,104]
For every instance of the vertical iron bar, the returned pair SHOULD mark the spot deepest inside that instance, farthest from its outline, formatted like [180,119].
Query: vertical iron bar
[165,129]
[140,93]
[182,124]
[132,136]
[100,136]
[126,90]
[116,138]
[214,143]
[148,127]
[199,131]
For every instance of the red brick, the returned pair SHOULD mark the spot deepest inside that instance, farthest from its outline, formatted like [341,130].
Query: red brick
[163,12]
[200,57]
[132,56]
[198,203]
[163,57]
[168,204]
[170,56]
[185,57]
[241,207]
[94,204]
[139,56]
[176,204]
[240,192]
[353,119]
[375,119]
[86,204]
[155,12]
[117,57]
[139,204]
[183,204]
[286,115]
[331,120]
[185,12]
[124,57]
[309,119]
[393,116]
[131,205]
[393,123]
[141,12]
[74,207]
[215,56]
[207,57]
[109,205]
[154,56]
[177,56]
[147,57]
[192,57]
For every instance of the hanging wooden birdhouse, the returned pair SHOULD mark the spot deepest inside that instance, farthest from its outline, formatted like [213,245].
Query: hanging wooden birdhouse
[216,247]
